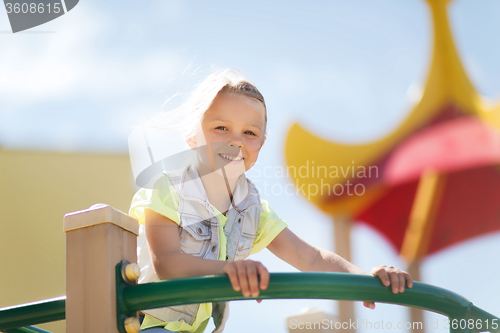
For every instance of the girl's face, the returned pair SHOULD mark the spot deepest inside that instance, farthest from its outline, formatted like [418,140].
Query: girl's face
[233,128]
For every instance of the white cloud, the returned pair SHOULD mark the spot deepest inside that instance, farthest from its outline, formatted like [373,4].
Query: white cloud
[74,61]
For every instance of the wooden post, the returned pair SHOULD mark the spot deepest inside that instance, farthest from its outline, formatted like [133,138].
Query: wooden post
[97,239]
[416,315]
[342,230]
[419,231]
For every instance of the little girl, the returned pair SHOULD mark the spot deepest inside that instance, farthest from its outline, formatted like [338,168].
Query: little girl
[207,218]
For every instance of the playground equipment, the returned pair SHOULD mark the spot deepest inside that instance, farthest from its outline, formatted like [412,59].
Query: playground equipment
[438,168]
[102,295]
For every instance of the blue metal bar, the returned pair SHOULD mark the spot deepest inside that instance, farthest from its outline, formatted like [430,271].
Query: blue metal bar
[27,329]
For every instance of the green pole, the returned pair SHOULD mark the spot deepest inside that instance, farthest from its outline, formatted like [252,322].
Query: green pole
[463,315]
[33,313]
[338,286]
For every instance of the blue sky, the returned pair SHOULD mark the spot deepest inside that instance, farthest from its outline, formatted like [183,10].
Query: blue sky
[348,70]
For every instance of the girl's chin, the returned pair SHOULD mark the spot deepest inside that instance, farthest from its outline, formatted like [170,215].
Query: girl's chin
[233,171]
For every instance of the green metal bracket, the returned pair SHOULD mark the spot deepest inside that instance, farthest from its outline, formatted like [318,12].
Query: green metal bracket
[122,312]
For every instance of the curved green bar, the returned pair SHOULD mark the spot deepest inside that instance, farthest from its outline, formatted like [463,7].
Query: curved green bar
[337,286]
[33,313]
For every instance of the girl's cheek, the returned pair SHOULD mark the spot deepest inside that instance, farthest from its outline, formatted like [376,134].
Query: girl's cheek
[253,145]
[216,137]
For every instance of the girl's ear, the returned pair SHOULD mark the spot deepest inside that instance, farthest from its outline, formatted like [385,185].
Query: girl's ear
[192,142]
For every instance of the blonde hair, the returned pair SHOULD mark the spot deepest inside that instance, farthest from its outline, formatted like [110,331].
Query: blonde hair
[188,116]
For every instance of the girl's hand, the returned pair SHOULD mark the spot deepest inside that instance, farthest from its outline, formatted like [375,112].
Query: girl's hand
[244,276]
[391,276]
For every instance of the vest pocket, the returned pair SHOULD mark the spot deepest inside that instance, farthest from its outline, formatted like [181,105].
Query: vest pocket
[195,238]
[184,313]
[244,246]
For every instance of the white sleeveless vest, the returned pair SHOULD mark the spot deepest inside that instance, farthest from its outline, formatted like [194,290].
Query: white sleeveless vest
[199,235]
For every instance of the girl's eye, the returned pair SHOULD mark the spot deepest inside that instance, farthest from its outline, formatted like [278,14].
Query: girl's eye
[222,128]
[251,133]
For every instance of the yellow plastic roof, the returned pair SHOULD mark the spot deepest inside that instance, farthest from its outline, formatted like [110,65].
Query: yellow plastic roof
[447,83]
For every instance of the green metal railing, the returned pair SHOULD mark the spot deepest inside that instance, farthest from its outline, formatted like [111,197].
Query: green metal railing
[335,286]
[13,318]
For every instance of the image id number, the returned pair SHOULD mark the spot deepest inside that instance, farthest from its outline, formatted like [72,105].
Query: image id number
[472,324]
[32,8]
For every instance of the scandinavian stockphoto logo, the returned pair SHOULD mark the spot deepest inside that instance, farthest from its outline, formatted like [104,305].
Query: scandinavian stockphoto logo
[26,14]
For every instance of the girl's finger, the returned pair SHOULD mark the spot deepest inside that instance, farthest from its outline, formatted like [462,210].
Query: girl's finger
[253,282]
[394,282]
[264,276]
[242,277]
[384,277]
[402,282]
[409,279]
[233,277]
[369,305]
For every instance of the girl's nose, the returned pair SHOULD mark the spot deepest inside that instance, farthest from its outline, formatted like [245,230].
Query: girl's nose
[235,141]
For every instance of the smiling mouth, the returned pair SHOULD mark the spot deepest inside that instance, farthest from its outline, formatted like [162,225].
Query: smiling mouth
[231,158]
